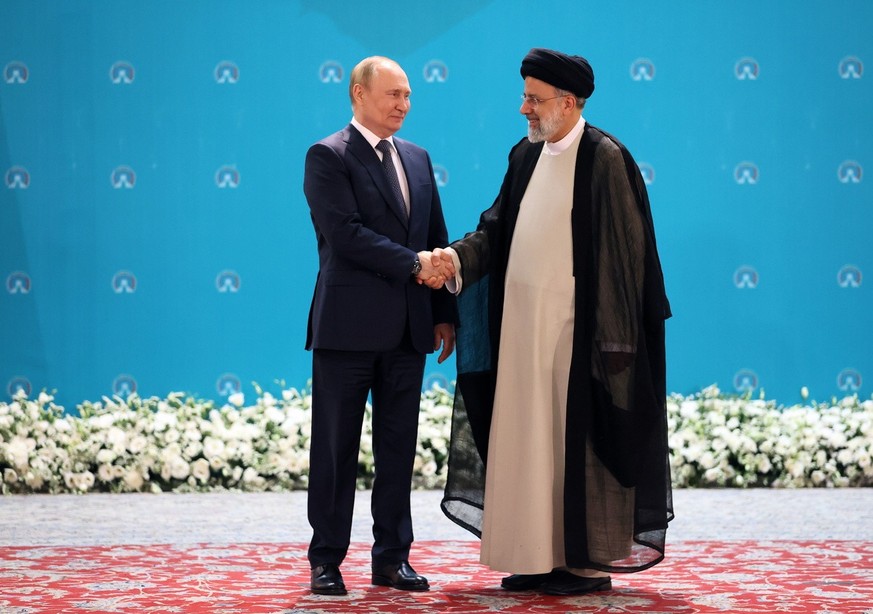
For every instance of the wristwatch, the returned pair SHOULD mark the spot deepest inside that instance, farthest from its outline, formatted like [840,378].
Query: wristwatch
[416,266]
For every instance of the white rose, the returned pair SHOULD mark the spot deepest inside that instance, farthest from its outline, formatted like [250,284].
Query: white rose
[133,479]
[164,420]
[200,470]
[714,475]
[213,448]
[237,399]
[192,450]
[707,460]
[83,481]
[171,436]
[274,414]
[429,469]
[104,473]
[33,481]
[105,456]
[137,444]
[179,469]
[103,421]
[116,438]
[18,451]
[251,477]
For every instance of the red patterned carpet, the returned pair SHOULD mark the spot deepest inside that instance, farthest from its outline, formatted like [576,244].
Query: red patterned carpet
[766,576]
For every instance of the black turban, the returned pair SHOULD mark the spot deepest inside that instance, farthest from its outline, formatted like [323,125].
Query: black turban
[566,72]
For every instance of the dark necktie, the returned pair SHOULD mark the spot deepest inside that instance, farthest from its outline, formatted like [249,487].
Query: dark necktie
[388,164]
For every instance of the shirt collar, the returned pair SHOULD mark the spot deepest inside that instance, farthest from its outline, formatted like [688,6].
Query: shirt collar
[368,134]
[559,147]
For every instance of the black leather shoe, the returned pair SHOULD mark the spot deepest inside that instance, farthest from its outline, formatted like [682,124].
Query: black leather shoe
[399,575]
[524,582]
[327,580]
[566,583]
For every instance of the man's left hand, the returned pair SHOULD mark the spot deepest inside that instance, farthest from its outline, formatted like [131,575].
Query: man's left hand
[444,335]
[616,362]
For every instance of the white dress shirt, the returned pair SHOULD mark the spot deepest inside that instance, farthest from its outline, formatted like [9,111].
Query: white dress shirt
[373,140]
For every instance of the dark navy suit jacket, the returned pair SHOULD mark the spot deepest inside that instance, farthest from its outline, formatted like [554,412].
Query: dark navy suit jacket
[365,295]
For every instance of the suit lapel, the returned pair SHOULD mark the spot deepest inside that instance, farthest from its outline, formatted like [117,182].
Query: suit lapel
[367,156]
[412,170]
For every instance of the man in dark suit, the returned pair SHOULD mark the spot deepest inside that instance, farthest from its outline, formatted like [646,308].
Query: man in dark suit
[377,216]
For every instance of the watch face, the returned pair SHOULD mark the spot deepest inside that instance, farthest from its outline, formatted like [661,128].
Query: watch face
[416,267]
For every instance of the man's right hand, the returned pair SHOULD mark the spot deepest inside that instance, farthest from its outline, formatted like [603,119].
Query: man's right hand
[447,264]
[436,268]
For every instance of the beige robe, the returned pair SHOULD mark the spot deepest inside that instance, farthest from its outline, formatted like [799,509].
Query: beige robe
[523,512]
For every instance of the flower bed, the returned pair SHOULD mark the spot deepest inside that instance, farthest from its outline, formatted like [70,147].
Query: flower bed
[179,443]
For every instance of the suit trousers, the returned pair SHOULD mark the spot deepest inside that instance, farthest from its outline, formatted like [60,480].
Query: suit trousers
[341,383]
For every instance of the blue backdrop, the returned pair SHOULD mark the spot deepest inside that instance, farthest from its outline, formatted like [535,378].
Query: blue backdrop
[154,235]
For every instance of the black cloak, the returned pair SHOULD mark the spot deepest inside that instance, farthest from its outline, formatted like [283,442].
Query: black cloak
[615,300]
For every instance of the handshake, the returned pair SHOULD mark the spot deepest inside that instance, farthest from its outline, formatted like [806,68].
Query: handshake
[436,268]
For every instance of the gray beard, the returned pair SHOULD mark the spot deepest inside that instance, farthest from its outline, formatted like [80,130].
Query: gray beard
[547,128]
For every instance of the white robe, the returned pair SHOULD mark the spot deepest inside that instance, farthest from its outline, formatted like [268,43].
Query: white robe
[525,471]
[523,523]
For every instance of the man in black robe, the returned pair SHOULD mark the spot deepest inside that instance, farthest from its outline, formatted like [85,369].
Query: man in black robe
[611,399]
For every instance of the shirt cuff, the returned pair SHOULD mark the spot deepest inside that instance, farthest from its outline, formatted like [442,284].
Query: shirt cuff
[454,284]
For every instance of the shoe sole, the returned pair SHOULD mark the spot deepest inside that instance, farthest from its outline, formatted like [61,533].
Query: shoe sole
[329,591]
[529,583]
[606,586]
[521,589]
[380,581]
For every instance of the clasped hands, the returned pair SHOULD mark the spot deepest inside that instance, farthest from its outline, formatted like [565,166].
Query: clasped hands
[436,268]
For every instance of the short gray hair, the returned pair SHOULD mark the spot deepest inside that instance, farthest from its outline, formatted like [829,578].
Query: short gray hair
[580,102]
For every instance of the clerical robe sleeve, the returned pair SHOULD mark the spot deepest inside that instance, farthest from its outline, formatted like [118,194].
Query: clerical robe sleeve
[620,270]
[474,250]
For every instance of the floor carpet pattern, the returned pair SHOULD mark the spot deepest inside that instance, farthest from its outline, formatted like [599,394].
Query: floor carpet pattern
[820,577]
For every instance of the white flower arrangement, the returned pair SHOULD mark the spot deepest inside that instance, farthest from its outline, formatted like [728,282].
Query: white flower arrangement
[719,440]
[179,443]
